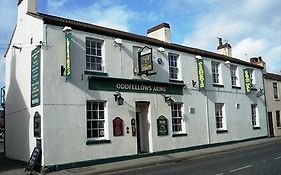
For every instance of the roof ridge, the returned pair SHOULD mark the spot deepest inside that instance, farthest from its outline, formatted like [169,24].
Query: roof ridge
[92,28]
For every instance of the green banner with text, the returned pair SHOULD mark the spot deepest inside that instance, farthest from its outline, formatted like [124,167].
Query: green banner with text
[201,74]
[68,57]
[247,81]
[35,76]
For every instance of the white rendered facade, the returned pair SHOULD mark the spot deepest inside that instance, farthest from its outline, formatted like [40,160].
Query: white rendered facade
[63,106]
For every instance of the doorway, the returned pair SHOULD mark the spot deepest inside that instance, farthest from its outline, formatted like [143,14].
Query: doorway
[270,124]
[143,127]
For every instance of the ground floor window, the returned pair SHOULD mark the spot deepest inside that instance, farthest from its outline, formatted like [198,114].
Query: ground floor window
[96,119]
[278,119]
[177,117]
[220,118]
[255,120]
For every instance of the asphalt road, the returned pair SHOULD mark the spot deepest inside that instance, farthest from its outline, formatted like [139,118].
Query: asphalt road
[255,160]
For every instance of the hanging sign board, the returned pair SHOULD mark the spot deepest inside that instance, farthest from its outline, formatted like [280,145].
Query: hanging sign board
[118,129]
[68,57]
[133,125]
[37,124]
[34,160]
[162,126]
[145,60]
[35,77]
[201,74]
[247,81]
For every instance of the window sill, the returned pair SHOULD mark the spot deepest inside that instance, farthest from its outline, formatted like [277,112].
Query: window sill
[256,127]
[222,131]
[93,142]
[236,87]
[179,135]
[176,81]
[278,127]
[86,72]
[218,85]
[276,99]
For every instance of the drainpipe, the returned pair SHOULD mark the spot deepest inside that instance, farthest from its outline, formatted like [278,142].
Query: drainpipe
[207,118]
[266,114]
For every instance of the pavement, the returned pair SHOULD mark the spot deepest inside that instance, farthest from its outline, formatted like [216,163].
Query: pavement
[12,167]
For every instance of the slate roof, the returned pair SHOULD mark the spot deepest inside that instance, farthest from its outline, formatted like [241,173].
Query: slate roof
[87,27]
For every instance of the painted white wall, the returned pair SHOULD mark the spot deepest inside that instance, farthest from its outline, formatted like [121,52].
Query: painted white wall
[273,104]
[19,114]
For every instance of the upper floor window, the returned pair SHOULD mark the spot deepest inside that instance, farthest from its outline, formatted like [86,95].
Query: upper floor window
[255,119]
[275,91]
[96,120]
[93,54]
[252,77]
[177,117]
[234,75]
[216,72]
[173,66]
[220,118]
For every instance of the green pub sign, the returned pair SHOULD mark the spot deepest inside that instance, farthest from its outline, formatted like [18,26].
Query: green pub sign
[201,74]
[68,56]
[35,76]
[37,124]
[162,126]
[247,80]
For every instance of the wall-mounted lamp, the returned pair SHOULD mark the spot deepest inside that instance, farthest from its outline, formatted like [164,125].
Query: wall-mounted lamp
[194,83]
[198,57]
[161,49]
[118,98]
[227,63]
[67,29]
[17,47]
[62,70]
[117,42]
[260,93]
[168,100]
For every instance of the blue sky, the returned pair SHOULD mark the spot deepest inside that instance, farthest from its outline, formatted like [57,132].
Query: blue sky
[252,27]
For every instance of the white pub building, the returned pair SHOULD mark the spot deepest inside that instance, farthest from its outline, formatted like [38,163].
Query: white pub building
[85,94]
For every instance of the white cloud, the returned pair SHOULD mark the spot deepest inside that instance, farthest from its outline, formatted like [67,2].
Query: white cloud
[251,27]
[105,14]
[248,48]
[55,5]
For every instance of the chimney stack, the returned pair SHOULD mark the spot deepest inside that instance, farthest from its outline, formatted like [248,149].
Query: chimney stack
[258,61]
[224,49]
[161,32]
[25,6]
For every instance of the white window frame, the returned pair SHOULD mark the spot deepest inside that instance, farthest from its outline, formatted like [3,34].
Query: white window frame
[255,115]
[275,90]
[252,77]
[216,72]
[92,54]
[90,120]
[234,76]
[220,116]
[178,114]
[174,65]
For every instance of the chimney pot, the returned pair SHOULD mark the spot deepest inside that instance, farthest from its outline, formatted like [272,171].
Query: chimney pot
[161,32]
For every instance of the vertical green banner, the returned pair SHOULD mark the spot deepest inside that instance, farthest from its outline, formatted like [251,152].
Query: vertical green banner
[37,124]
[68,57]
[201,74]
[247,81]
[35,77]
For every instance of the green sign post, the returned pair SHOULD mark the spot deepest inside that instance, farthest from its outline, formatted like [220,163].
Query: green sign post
[35,77]
[201,74]
[247,81]
[162,126]
[68,56]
